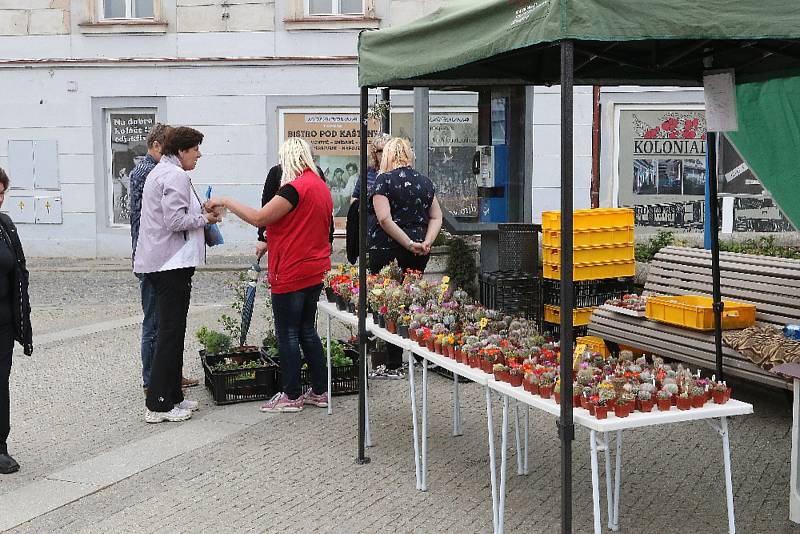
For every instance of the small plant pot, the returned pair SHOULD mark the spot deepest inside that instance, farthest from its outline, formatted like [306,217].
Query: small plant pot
[592,407]
[459,355]
[631,406]
[391,326]
[376,318]
[601,412]
[498,375]
[674,400]
[621,410]
[664,405]
[545,392]
[526,386]
[728,394]
[557,397]
[515,380]
[330,295]
[698,401]
[422,342]
[437,347]
[684,403]
[474,362]
[431,344]
[402,331]
[646,406]
[340,303]
[486,366]
[719,397]
[412,335]
[465,358]
[382,321]
[576,401]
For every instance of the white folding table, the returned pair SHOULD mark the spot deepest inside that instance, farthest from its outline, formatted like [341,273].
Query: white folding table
[600,431]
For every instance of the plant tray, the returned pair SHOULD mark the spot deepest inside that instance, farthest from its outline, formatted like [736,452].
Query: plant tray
[695,312]
[240,385]
[344,379]
[580,316]
[623,311]
[590,219]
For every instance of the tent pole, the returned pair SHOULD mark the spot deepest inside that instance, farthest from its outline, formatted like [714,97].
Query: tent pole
[385,119]
[566,426]
[712,140]
[362,282]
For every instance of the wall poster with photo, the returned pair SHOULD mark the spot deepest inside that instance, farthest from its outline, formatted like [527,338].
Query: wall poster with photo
[453,137]
[335,139]
[128,131]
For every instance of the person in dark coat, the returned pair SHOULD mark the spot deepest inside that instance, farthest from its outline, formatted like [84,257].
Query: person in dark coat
[15,319]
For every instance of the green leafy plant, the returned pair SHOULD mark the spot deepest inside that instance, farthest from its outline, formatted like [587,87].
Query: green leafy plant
[645,252]
[212,341]
[461,266]
[763,246]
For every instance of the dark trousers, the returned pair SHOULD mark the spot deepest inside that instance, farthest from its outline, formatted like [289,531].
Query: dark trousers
[295,327]
[173,291]
[6,348]
[406,260]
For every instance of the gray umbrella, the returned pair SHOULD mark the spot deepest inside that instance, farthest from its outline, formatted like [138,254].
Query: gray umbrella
[249,299]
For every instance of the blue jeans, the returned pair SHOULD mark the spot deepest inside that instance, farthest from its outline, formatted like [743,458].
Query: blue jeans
[149,326]
[295,327]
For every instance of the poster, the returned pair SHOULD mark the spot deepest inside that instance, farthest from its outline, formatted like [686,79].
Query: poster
[453,137]
[335,139]
[735,177]
[128,147]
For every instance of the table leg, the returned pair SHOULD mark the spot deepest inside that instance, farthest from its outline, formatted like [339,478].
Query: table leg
[330,378]
[456,408]
[525,463]
[518,438]
[794,483]
[609,483]
[424,425]
[726,452]
[617,480]
[501,507]
[598,529]
[413,389]
[367,433]
[492,458]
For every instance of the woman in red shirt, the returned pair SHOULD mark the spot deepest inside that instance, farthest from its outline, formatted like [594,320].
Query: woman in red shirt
[297,222]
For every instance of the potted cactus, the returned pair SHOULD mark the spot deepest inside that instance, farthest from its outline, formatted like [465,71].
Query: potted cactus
[673,389]
[683,401]
[620,407]
[664,400]
[501,372]
[719,393]
[601,409]
[645,400]
[515,376]
[698,396]
[576,395]
[531,383]
[546,385]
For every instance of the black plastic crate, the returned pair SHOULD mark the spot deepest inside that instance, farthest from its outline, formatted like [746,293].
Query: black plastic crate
[513,293]
[240,385]
[587,293]
[344,379]
[518,247]
[554,331]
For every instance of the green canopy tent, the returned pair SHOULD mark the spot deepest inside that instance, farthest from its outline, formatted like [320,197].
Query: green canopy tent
[474,43]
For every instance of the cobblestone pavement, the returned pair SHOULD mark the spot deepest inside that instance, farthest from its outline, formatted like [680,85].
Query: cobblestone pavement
[80,397]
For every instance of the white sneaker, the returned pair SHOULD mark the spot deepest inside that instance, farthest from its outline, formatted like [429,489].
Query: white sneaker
[187,404]
[174,415]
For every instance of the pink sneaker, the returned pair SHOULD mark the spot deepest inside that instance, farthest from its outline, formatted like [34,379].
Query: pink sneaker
[281,403]
[312,398]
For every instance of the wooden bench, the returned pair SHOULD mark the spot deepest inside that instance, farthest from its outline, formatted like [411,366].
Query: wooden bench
[772,284]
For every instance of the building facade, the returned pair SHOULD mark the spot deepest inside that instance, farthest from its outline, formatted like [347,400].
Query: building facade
[83,80]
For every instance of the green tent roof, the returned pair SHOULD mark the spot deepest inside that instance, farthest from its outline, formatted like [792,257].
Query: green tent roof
[653,42]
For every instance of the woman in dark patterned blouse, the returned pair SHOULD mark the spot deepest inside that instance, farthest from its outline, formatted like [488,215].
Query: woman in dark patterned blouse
[406,222]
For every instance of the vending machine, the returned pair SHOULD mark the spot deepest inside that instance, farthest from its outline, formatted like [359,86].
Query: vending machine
[490,166]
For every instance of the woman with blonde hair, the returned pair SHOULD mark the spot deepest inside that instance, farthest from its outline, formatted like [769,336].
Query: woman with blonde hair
[407,218]
[297,222]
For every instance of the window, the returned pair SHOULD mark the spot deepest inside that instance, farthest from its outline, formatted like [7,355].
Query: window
[126,9]
[334,7]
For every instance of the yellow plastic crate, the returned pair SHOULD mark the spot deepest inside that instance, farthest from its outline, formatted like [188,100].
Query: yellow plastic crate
[589,254]
[594,344]
[590,219]
[580,316]
[592,271]
[591,238]
[695,312]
